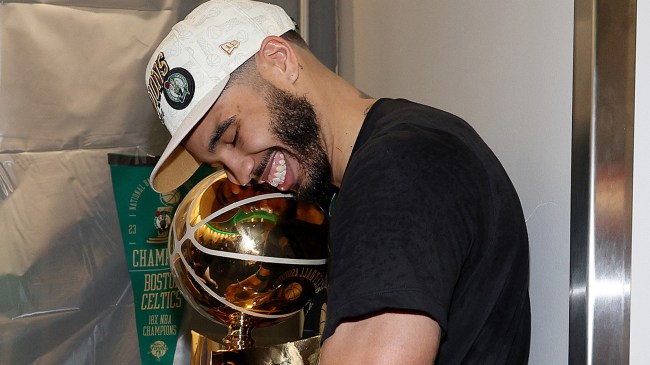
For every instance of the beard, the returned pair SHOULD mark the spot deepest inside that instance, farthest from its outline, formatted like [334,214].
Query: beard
[294,123]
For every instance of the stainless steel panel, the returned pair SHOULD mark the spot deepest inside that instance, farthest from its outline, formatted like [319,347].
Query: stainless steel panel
[601,212]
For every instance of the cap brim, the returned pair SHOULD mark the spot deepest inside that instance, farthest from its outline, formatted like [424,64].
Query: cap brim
[176,165]
[177,168]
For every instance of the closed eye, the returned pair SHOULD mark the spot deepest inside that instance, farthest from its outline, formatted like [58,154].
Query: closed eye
[218,133]
[235,137]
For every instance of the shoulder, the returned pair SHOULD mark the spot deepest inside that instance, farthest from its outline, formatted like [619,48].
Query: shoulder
[385,113]
[415,141]
[395,126]
[409,151]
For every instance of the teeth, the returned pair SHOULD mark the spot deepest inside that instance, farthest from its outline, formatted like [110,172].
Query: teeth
[280,172]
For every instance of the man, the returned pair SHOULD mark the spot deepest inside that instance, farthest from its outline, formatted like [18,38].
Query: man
[429,250]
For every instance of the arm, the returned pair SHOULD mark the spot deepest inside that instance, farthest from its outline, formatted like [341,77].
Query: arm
[388,338]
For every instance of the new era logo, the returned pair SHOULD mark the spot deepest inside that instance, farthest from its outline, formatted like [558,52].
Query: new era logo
[229,47]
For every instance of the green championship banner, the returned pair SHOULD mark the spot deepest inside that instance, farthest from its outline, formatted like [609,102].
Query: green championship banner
[145,217]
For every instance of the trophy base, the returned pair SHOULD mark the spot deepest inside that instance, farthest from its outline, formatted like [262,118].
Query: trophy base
[209,352]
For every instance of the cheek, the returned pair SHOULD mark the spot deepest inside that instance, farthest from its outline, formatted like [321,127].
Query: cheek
[257,140]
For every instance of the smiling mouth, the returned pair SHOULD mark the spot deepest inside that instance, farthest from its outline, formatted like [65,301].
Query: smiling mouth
[278,171]
[272,169]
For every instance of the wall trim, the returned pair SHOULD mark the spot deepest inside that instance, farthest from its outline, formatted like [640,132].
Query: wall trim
[601,181]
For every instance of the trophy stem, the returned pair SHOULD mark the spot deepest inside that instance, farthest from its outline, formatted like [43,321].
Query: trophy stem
[239,336]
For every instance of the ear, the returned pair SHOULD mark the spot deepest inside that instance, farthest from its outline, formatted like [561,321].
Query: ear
[277,60]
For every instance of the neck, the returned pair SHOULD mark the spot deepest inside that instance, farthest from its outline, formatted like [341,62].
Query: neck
[342,115]
[341,110]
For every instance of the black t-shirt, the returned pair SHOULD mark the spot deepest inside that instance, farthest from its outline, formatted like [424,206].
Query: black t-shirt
[427,221]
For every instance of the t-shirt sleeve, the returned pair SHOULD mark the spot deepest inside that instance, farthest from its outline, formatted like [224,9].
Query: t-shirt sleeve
[402,226]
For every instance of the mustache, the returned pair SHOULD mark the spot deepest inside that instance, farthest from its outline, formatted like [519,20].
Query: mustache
[259,170]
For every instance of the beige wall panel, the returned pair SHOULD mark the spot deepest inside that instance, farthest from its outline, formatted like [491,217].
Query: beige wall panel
[73,77]
[506,67]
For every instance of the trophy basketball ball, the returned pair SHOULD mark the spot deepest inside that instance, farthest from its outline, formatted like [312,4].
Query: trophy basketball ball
[246,257]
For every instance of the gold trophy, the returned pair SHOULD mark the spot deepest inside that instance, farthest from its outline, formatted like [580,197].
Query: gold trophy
[246,257]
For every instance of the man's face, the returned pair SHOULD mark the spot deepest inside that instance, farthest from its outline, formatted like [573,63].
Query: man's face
[265,135]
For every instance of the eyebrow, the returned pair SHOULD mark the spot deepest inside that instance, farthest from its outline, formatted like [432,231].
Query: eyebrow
[219,131]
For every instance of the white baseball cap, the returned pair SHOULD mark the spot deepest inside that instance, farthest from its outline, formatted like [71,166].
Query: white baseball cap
[191,66]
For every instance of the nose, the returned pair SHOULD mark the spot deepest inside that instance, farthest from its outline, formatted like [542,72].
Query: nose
[239,171]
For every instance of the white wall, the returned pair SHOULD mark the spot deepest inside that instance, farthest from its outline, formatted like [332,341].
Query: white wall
[506,67]
[640,291]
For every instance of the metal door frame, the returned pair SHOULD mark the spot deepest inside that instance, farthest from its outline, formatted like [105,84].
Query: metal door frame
[601,181]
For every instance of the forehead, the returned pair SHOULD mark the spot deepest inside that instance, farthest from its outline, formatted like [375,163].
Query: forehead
[237,104]
[238,98]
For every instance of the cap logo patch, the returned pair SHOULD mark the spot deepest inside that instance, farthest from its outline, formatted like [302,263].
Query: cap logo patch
[229,47]
[179,88]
